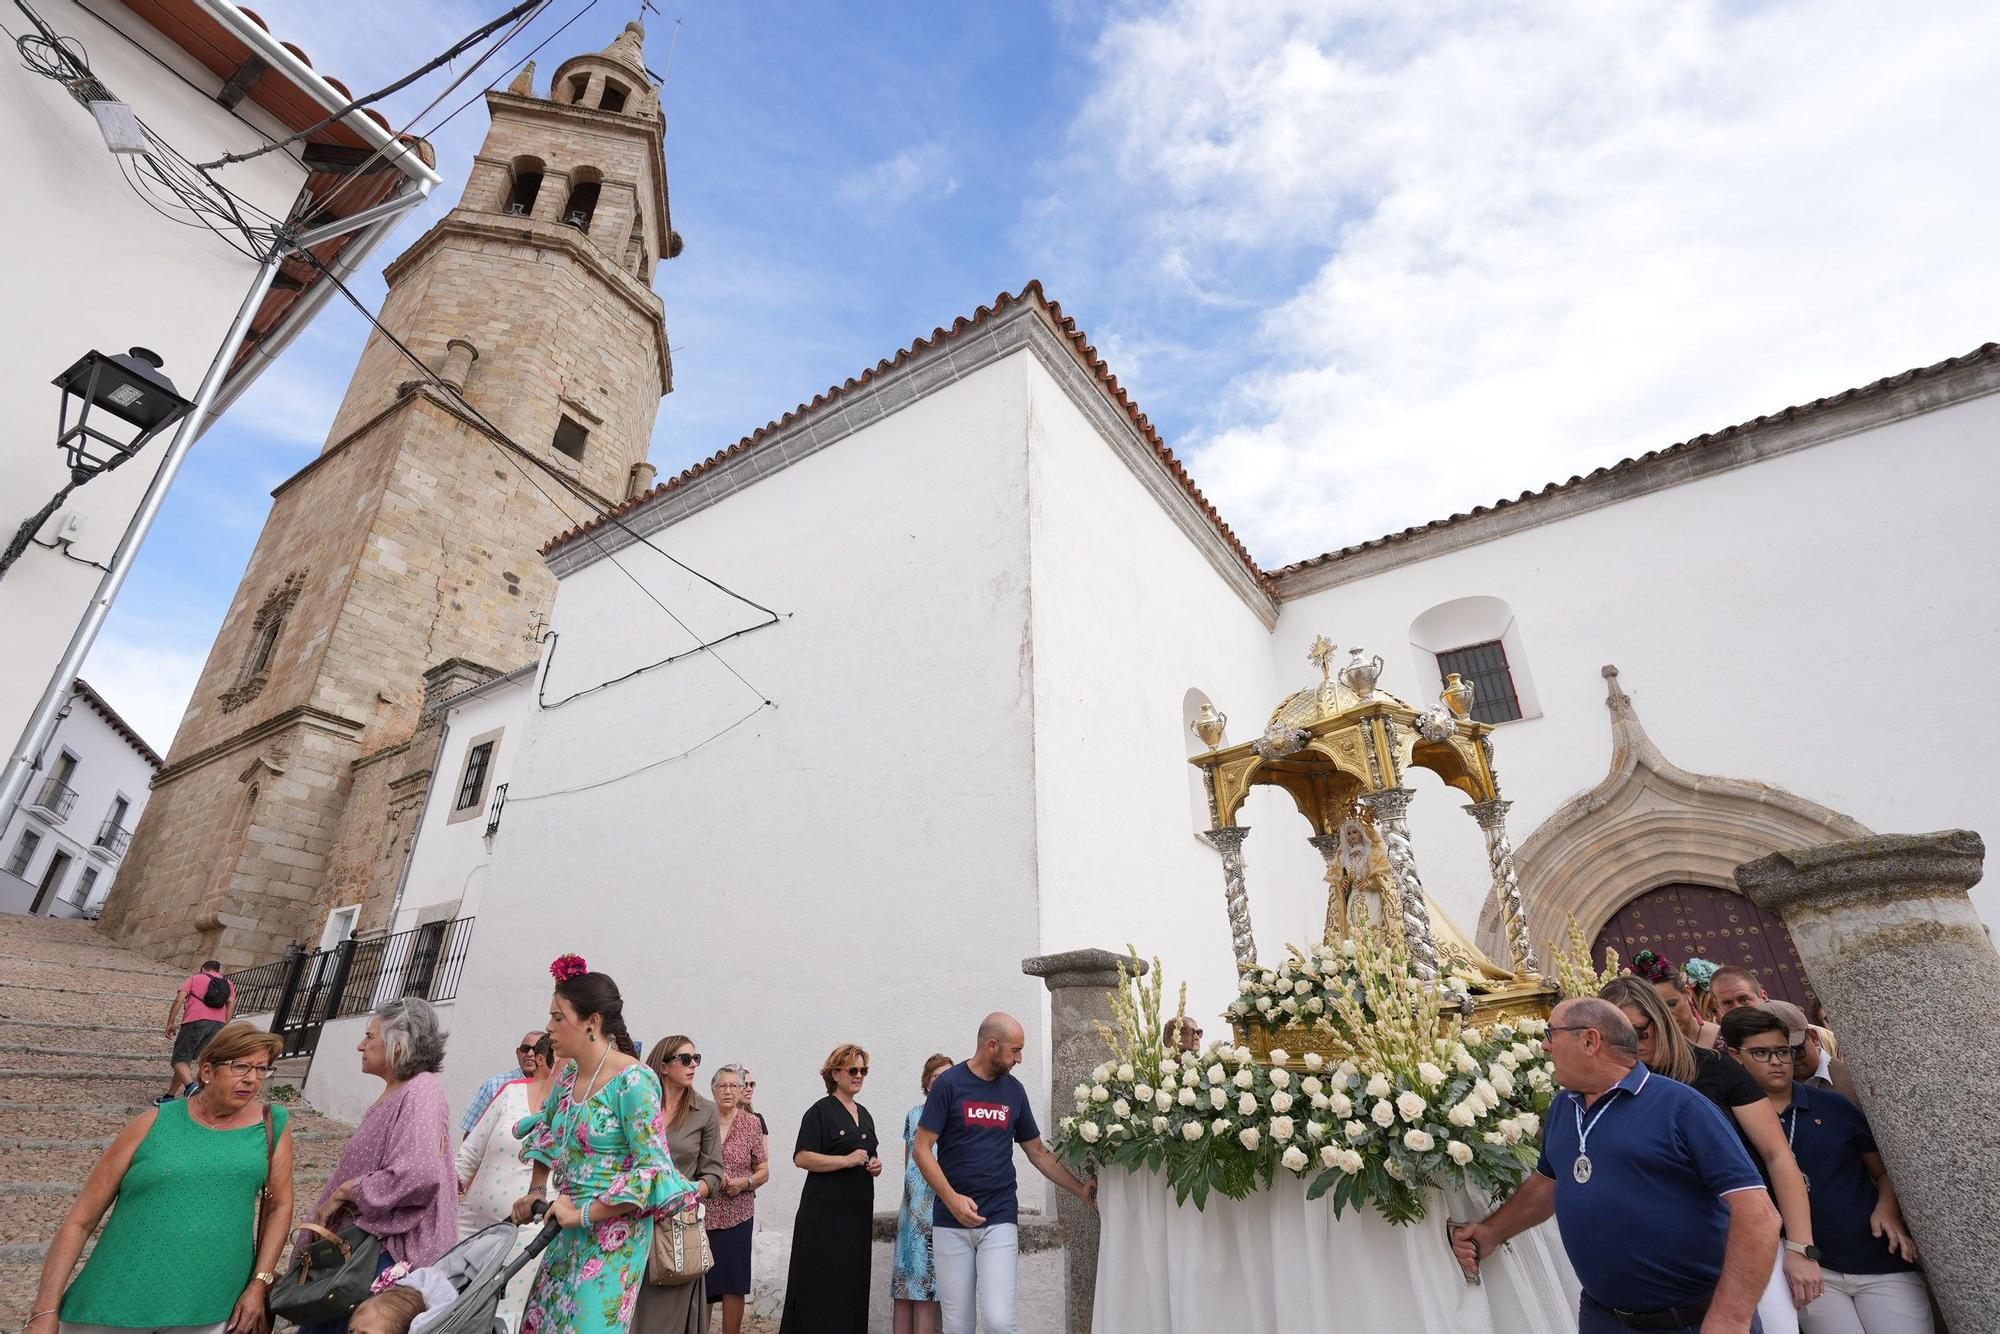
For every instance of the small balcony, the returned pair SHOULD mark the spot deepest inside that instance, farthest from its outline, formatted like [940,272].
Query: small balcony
[113,838]
[54,798]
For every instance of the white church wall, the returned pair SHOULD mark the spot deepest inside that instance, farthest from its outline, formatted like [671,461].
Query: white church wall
[1810,621]
[1128,616]
[856,863]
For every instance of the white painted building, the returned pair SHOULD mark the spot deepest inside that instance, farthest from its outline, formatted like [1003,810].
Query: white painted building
[998,602]
[108,258]
[62,847]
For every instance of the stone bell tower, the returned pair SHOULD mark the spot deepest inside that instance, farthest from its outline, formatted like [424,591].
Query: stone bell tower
[402,564]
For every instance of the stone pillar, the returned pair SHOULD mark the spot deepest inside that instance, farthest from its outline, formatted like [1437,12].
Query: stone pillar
[1081,984]
[458,358]
[1492,818]
[1328,847]
[1390,809]
[1901,958]
[641,481]
[1229,842]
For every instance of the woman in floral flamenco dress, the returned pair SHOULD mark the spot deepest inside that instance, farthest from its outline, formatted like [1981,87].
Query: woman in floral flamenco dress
[600,1138]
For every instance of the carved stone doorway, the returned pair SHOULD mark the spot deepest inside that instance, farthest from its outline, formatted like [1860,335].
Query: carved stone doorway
[1682,921]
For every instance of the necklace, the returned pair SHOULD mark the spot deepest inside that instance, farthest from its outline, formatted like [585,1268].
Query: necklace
[1581,1169]
[201,1119]
[1791,1138]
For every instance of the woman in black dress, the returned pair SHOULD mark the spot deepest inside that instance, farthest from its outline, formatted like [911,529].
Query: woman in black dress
[827,1292]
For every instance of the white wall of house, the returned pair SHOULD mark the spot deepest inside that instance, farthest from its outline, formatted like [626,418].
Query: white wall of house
[100,268]
[1808,621]
[855,864]
[68,837]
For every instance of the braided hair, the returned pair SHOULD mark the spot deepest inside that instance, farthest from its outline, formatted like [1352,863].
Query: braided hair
[596,993]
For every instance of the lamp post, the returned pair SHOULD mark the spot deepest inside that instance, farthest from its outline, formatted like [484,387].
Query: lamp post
[129,387]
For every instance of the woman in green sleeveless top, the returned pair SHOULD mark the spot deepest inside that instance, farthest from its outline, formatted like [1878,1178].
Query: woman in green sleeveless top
[185,1248]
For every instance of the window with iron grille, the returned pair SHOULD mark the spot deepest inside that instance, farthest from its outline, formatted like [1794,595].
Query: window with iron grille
[1485,666]
[472,790]
[24,852]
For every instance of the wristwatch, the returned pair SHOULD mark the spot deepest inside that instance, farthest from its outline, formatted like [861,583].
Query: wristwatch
[266,1279]
[1805,1248]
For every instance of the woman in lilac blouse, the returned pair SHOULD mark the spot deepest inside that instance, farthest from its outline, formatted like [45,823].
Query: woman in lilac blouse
[396,1179]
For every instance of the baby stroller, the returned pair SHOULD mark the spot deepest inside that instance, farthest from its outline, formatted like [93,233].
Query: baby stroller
[479,1269]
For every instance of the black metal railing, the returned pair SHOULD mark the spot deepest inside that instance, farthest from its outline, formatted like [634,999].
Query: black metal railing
[424,961]
[493,811]
[113,837]
[56,797]
[258,989]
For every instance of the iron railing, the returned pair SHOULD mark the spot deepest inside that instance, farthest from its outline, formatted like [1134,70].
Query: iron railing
[424,961]
[114,837]
[56,797]
[493,811]
[258,989]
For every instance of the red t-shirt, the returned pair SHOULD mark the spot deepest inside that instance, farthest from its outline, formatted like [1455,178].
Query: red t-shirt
[196,987]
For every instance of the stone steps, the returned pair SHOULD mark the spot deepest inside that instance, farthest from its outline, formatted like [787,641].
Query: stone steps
[146,1040]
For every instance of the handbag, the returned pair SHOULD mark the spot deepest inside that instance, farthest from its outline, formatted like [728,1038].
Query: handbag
[680,1248]
[330,1277]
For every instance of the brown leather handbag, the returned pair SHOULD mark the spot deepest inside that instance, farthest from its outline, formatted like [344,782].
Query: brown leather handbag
[680,1248]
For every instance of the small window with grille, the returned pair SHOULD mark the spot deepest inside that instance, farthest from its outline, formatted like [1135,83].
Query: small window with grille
[472,788]
[1485,666]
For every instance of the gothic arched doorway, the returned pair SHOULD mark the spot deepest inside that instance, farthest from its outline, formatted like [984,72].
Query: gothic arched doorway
[1680,922]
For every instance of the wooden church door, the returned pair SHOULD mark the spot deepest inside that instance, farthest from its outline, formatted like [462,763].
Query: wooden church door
[1682,921]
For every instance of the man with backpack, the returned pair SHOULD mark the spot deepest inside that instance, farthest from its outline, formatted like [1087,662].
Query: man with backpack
[204,1003]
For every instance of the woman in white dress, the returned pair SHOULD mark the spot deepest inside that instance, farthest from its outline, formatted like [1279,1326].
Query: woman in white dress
[491,1175]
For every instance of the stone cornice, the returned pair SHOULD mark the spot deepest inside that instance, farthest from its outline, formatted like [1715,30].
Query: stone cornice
[1022,327]
[1865,409]
[301,714]
[506,229]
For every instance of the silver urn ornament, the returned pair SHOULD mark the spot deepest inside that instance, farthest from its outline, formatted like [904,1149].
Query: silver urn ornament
[1359,676]
[1208,725]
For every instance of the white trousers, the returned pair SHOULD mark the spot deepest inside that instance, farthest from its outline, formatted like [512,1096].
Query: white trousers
[1870,1304]
[1775,1307]
[975,1277]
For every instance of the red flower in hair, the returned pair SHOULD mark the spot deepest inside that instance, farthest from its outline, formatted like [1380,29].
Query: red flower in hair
[567,966]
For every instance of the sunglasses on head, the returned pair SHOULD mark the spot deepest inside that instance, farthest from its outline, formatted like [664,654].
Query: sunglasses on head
[686,1057]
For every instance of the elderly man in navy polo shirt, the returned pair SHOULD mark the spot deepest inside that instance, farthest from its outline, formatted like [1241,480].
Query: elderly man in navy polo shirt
[1664,1217]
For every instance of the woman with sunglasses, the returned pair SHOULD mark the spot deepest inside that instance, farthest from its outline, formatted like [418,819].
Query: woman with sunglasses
[1872,1283]
[179,1166]
[827,1291]
[1664,1047]
[491,1173]
[694,1140]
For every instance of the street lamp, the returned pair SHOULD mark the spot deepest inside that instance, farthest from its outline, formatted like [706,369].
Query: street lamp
[129,387]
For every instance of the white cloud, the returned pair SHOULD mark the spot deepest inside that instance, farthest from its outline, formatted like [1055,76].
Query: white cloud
[149,681]
[1492,247]
[921,172]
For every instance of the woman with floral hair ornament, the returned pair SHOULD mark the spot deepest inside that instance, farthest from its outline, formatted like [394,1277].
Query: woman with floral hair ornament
[600,1136]
[1648,966]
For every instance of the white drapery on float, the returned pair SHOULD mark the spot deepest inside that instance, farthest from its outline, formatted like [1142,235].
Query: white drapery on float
[1278,1263]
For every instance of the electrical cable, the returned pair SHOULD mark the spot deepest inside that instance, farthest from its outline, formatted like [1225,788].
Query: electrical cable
[634,773]
[451,54]
[590,5]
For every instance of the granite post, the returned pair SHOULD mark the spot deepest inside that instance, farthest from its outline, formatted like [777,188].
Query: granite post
[1897,952]
[1081,984]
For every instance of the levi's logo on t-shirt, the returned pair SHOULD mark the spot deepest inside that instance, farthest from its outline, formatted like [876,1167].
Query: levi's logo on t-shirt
[997,1114]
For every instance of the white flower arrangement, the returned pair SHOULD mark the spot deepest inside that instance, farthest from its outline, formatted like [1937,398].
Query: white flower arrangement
[1424,1100]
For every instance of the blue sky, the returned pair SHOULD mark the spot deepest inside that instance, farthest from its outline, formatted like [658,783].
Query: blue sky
[1364,263]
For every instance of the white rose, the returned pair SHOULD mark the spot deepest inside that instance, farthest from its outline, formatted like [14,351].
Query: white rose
[1189,1060]
[1164,1099]
[1354,1129]
[1314,1060]
[1539,1078]
[1510,1130]
[1494,1137]
[1460,1153]
[1410,1105]
[1279,1056]
[1429,1075]
[1100,1094]
[1125,1073]
[1083,1092]
[1118,1130]
[1281,1129]
[1246,1104]
[1244,1079]
[1393,1168]
[1281,1078]
[1216,1074]
[1463,1061]
[1378,1086]
[1347,948]
[1242,1056]
[1295,1159]
[1341,1104]
[1089,1131]
[1383,1113]
[1100,1074]
[1186,1098]
[1345,1072]
[1504,1082]
[1142,1094]
[1068,1125]
[1290,1005]
[1509,1059]
[1248,1138]
[1350,1161]
[1418,1141]
[1159,1125]
[1281,1101]
[1219,1127]
[1463,1116]
[1522,1051]
[1487,1094]
[1329,1155]
[1218,1098]
[1121,1109]
[1302,987]
[1316,1129]
[1264,1004]
[1530,1123]
[1472,1036]
[1191,1131]
[1310,1085]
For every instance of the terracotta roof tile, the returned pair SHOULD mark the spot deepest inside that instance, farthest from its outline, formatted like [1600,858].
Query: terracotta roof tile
[1064,325]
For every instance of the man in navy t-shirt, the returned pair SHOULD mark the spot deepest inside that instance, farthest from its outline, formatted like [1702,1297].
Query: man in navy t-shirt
[975,1114]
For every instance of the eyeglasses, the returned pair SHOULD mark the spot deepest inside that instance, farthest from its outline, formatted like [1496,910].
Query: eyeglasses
[1572,1028]
[1644,1028]
[689,1058]
[524,1049]
[1771,1055]
[858,1071]
[242,1068]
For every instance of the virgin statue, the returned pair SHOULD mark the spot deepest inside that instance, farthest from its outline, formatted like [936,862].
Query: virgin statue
[1361,887]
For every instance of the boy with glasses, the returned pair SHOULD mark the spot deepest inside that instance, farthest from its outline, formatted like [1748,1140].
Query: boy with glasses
[1865,1253]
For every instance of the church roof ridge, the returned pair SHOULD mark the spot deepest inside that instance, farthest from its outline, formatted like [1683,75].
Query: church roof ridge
[1065,326]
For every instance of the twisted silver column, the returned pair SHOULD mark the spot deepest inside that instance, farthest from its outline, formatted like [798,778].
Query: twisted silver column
[1389,809]
[1229,842]
[1492,817]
